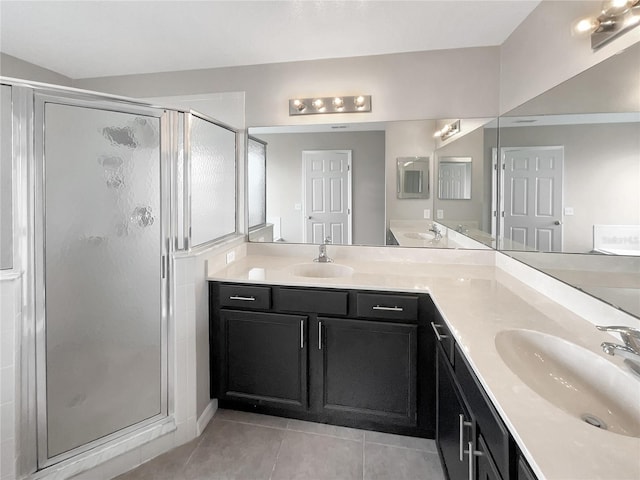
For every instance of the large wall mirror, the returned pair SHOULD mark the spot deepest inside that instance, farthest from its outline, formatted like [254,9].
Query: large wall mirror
[571,181]
[377,214]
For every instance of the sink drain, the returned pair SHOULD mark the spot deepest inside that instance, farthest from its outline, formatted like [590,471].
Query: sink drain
[593,420]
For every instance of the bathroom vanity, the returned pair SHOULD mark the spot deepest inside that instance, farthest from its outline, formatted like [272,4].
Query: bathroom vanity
[358,358]
[357,347]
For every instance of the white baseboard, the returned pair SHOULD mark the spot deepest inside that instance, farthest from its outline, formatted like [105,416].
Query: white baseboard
[206,416]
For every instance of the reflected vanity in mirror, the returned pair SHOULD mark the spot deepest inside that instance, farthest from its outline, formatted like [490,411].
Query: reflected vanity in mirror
[413,177]
[571,170]
[454,178]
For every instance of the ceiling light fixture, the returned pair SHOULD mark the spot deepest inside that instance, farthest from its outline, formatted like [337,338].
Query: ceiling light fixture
[615,18]
[449,130]
[343,104]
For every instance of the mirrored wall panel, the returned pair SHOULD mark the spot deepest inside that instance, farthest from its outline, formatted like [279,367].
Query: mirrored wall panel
[570,196]
[380,214]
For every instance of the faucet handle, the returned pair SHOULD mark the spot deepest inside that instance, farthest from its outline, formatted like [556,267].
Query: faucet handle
[327,240]
[630,336]
[624,330]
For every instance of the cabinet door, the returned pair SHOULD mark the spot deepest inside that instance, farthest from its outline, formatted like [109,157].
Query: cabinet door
[453,423]
[486,468]
[264,359]
[368,371]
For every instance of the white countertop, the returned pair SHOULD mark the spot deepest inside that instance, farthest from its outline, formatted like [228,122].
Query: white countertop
[477,300]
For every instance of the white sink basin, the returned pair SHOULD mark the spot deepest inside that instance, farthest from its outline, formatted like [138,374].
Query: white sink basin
[321,270]
[578,381]
[420,236]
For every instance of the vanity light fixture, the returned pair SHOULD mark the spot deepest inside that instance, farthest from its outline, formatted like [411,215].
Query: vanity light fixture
[449,130]
[615,18]
[344,104]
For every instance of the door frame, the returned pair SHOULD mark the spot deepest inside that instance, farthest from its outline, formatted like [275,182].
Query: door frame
[349,153]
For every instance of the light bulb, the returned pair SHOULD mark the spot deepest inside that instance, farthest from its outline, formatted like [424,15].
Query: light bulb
[585,25]
[299,105]
[318,104]
[359,101]
[612,8]
[338,103]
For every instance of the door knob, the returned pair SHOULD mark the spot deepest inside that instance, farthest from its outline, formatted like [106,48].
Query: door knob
[557,222]
[309,217]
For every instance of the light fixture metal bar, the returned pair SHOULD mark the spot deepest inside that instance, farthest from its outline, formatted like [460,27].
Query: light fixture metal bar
[337,104]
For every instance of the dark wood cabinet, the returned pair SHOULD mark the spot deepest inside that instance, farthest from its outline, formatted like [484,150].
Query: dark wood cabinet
[264,358]
[368,371]
[363,359]
[453,432]
[472,440]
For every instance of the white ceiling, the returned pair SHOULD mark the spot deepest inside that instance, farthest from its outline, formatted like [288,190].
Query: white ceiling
[82,39]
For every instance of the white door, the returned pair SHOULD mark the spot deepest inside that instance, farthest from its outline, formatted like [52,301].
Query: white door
[532,196]
[327,196]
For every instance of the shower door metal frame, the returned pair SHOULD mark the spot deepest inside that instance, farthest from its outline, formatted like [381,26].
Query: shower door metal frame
[41,98]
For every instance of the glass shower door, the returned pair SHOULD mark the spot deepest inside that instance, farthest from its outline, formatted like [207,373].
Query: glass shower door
[102,278]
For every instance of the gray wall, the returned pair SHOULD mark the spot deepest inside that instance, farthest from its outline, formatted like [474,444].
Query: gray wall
[434,84]
[408,139]
[542,52]
[284,180]
[476,210]
[601,174]
[16,68]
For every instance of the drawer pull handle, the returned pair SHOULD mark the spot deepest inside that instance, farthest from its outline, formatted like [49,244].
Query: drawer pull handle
[435,329]
[388,309]
[301,334]
[472,453]
[319,335]
[244,299]
[462,424]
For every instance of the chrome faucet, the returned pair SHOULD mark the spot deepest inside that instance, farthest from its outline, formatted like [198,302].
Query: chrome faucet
[438,234]
[322,252]
[630,351]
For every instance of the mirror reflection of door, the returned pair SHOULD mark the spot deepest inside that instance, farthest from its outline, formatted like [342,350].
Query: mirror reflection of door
[454,178]
[532,195]
[327,196]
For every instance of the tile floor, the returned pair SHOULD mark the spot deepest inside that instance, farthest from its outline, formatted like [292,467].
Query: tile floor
[247,446]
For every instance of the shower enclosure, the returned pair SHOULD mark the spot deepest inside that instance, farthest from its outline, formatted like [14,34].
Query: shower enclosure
[106,199]
[103,281]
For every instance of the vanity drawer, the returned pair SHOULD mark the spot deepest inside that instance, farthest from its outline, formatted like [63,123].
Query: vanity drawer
[489,422]
[443,336]
[327,302]
[245,296]
[391,307]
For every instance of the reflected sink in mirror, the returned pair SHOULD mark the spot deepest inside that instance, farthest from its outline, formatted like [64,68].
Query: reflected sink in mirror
[420,236]
[581,383]
[321,270]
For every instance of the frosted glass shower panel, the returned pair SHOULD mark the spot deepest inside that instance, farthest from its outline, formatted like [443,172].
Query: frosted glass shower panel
[103,281]
[213,181]
[257,182]
[6,179]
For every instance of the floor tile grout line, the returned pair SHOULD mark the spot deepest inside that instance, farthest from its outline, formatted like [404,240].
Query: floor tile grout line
[401,446]
[275,463]
[290,429]
[194,450]
[364,465]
